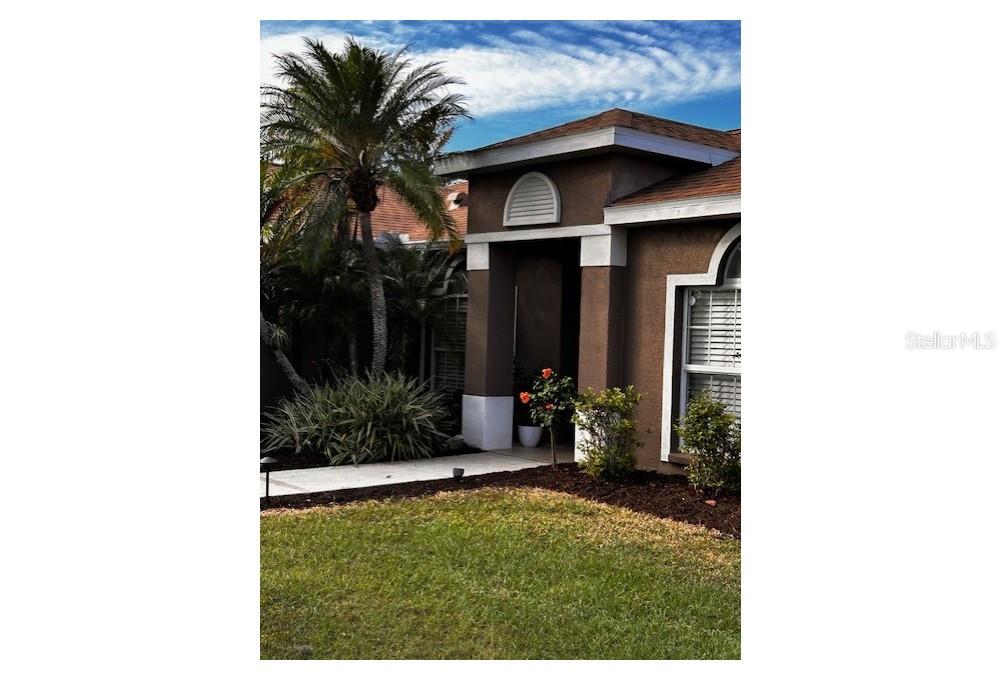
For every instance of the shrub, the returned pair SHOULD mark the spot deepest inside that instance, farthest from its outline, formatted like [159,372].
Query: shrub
[607,420]
[360,420]
[711,436]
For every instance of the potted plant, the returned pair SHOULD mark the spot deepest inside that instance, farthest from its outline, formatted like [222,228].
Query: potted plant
[551,401]
[528,434]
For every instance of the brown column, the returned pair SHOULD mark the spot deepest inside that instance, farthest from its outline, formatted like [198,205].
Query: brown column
[602,320]
[488,401]
[489,341]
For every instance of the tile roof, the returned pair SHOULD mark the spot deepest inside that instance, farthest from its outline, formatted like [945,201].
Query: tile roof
[630,119]
[713,181]
[392,215]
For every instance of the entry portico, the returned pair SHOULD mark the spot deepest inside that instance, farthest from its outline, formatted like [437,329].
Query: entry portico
[600,248]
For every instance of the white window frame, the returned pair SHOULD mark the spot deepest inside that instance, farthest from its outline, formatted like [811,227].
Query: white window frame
[675,285]
[688,368]
[550,218]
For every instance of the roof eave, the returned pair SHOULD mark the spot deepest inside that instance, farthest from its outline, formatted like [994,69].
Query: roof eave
[722,205]
[462,164]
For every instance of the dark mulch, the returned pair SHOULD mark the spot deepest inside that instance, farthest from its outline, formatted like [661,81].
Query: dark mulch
[655,494]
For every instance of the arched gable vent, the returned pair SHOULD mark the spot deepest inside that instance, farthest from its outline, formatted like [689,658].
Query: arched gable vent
[534,199]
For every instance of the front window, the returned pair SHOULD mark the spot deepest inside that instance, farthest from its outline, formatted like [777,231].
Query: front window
[713,338]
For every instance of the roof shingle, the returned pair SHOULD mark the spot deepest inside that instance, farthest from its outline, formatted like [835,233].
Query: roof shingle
[393,216]
[715,181]
[636,121]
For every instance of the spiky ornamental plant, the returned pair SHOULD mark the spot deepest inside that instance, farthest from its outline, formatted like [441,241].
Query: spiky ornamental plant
[350,122]
[366,419]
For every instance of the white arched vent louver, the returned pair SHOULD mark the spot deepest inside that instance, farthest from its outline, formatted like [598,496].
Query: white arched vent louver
[534,199]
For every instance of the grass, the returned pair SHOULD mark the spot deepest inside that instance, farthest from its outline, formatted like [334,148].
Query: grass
[495,574]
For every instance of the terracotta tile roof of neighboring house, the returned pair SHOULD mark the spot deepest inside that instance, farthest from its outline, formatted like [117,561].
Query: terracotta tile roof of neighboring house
[630,119]
[714,181]
[392,215]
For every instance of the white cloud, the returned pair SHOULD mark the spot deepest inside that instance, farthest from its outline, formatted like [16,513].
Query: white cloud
[529,70]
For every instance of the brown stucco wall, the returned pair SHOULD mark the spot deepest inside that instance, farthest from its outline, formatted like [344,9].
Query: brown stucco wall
[586,185]
[653,254]
[602,313]
[583,183]
[631,172]
[539,312]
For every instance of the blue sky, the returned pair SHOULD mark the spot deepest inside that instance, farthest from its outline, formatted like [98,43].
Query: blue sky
[523,76]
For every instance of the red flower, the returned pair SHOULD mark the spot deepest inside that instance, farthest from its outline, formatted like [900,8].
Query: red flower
[546,373]
[525,397]
[548,407]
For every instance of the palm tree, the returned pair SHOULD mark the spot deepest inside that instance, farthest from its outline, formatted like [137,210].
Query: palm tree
[281,216]
[346,124]
[421,283]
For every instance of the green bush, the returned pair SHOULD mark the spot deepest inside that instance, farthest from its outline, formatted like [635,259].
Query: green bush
[607,419]
[711,436]
[360,420]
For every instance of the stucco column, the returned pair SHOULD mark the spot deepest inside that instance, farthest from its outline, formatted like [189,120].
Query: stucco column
[488,402]
[602,312]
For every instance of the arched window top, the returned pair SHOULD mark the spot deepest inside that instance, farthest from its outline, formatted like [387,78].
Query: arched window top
[732,270]
[533,199]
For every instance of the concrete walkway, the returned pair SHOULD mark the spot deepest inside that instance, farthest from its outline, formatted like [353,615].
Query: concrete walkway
[286,482]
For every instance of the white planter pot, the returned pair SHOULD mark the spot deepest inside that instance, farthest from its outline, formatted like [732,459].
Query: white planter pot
[529,435]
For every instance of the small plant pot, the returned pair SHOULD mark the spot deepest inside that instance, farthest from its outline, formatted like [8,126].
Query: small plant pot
[457,472]
[529,435]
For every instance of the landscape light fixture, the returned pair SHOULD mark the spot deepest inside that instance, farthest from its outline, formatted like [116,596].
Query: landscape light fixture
[457,472]
[265,466]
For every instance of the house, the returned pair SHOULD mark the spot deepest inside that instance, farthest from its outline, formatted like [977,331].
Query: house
[393,216]
[607,248]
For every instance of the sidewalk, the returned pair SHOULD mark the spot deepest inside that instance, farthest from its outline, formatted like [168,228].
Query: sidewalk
[311,480]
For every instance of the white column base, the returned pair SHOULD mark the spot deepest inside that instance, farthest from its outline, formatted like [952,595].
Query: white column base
[488,422]
[579,437]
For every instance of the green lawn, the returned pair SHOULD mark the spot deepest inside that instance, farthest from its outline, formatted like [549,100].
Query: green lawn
[495,574]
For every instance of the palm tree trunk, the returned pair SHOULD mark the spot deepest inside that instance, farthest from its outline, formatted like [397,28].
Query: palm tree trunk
[352,352]
[379,323]
[267,335]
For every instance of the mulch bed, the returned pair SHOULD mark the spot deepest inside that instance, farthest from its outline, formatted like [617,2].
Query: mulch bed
[655,494]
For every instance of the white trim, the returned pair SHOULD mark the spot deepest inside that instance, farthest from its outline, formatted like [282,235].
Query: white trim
[477,257]
[721,370]
[605,250]
[551,217]
[711,206]
[671,146]
[674,281]
[539,234]
[488,422]
[584,141]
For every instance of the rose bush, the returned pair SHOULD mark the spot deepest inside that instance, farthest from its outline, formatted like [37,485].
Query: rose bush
[551,401]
